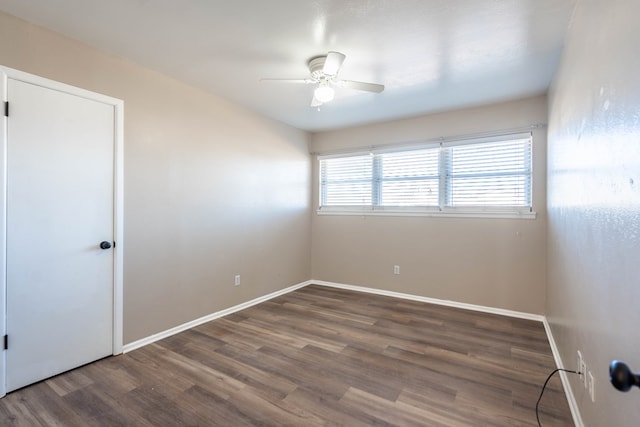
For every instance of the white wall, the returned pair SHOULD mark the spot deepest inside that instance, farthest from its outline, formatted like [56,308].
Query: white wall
[492,262]
[594,203]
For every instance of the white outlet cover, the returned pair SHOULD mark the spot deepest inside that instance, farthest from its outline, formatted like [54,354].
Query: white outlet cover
[581,367]
[579,364]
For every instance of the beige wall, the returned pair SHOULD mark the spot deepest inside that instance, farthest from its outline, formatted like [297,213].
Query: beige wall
[492,262]
[594,203]
[211,189]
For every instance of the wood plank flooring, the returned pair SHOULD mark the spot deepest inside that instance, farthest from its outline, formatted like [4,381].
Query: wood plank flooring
[314,357]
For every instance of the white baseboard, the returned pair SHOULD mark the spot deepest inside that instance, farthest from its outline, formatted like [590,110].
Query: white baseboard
[188,325]
[568,391]
[448,303]
[185,326]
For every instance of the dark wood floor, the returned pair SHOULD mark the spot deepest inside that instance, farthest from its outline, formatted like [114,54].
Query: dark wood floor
[316,356]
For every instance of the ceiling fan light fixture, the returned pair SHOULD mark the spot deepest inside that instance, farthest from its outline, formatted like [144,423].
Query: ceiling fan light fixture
[324,71]
[324,93]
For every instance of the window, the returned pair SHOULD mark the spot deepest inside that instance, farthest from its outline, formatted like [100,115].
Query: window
[480,176]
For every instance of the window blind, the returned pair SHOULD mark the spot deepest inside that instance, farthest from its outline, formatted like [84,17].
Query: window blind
[409,178]
[489,174]
[481,173]
[347,181]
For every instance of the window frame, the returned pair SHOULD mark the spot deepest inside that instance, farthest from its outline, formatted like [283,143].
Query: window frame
[443,209]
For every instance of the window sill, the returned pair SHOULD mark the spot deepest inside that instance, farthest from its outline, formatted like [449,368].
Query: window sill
[503,214]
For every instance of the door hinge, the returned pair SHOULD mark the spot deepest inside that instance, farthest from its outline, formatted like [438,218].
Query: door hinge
[6,109]
[6,342]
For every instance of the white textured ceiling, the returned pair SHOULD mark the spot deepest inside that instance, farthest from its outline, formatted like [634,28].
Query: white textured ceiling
[432,55]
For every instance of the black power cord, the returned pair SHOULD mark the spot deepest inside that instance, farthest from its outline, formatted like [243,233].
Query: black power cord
[545,385]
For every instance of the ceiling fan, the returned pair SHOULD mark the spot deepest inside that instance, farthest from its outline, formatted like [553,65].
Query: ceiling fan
[324,73]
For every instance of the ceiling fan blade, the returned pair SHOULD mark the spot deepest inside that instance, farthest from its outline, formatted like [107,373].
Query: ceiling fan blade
[303,81]
[367,87]
[333,63]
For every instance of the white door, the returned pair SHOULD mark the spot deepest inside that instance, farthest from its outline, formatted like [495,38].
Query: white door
[60,207]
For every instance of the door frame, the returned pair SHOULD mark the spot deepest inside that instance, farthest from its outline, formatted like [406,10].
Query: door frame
[118,199]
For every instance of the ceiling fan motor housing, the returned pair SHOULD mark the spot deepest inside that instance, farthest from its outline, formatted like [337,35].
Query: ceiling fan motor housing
[316,65]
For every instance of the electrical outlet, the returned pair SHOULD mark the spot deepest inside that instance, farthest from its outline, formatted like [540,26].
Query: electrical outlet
[582,368]
[592,386]
[580,365]
[396,269]
[237,280]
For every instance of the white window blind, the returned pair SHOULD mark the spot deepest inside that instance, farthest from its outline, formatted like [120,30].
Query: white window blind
[480,174]
[409,178]
[489,174]
[347,181]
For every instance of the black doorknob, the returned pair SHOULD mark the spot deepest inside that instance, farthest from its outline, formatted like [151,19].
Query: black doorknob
[621,376]
[105,245]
